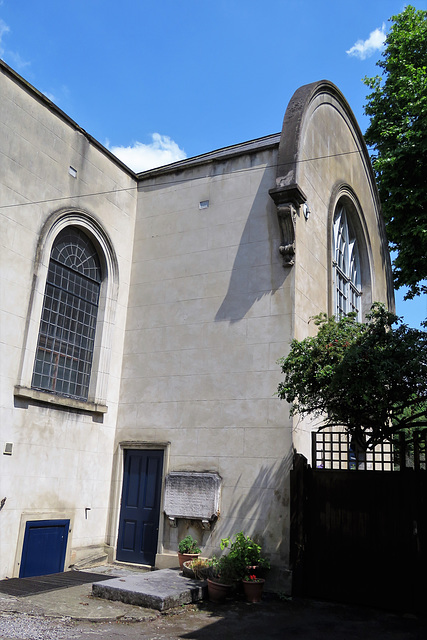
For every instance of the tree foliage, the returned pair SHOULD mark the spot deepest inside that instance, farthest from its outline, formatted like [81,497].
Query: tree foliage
[370,378]
[398,132]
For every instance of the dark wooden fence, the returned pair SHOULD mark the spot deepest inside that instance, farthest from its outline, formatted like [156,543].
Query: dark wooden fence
[360,537]
[335,450]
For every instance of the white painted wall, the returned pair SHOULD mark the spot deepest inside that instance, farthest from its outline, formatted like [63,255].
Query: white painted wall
[61,460]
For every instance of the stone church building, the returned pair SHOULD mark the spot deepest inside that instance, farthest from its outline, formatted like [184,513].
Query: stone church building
[142,317]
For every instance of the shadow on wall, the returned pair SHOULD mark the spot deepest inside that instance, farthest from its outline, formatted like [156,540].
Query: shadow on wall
[264,514]
[269,493]
[257,270]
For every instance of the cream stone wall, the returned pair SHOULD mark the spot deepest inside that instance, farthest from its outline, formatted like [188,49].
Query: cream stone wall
[332,163]
[210,312]
[61,459]
[195,311]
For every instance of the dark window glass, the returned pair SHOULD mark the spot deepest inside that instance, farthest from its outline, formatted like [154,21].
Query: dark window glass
[67,328]
[348,289]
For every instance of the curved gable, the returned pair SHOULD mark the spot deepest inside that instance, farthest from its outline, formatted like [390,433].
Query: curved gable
[323,159]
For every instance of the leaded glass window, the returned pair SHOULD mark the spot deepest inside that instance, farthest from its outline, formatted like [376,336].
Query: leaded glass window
[67,328]
[346,263]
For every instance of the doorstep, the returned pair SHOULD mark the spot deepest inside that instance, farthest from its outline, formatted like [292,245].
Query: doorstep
[160,590]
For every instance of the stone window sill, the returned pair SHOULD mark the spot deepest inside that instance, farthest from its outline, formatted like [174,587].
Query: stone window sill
[61,401]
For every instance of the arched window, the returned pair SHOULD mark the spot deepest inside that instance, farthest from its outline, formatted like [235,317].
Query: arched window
[67,328]
[346,266]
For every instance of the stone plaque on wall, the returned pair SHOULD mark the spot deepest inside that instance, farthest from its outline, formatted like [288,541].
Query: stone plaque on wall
[192,495]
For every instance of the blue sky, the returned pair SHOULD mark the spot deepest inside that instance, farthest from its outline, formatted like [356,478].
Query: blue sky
[160,81]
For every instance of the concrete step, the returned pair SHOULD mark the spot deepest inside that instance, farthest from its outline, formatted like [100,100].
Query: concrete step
[92,561]
[161,590]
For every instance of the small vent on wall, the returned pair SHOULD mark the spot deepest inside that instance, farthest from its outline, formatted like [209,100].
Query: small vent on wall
[204,204]
[72,172]
[8,447]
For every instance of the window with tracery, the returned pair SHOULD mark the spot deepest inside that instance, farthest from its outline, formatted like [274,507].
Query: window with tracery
[66,338]
[346,267]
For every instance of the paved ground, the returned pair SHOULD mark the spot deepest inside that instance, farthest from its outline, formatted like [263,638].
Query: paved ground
[269,619]
[75,613]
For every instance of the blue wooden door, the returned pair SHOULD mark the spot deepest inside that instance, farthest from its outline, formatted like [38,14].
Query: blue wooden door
[140,506]
[45,545]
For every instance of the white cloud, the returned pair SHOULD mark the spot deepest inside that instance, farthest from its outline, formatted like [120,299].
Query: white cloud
[140,157]
[11,57]
[3,29]
[16,61]
[49,95]
[364,48]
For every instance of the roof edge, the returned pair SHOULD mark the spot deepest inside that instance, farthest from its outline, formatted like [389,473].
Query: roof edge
[250,146]
[61,114]
[293,123]
[224,153]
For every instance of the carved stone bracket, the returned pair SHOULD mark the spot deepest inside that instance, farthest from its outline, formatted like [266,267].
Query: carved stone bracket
[287,200]
[286,214]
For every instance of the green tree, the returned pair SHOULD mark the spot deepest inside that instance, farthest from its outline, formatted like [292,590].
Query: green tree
[370,378]
[397,107]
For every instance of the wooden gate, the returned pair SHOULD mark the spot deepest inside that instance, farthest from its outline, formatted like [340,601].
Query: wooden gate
[359,537]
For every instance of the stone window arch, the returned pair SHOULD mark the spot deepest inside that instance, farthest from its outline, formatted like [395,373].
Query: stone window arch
[346,266]
[350,257]
[68,341]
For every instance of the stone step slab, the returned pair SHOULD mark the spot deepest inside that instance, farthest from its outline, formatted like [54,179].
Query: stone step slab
[160,590]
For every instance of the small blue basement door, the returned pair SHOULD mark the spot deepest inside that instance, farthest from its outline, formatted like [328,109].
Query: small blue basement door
[44,549]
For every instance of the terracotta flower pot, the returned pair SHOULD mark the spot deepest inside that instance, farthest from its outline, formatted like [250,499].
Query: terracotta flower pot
[217,591]
[253,589]
[184,557]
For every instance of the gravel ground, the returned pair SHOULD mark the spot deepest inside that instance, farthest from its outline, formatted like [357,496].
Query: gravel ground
[306,620]
[29,627]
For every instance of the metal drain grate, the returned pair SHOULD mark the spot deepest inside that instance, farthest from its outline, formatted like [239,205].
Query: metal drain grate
[43,584]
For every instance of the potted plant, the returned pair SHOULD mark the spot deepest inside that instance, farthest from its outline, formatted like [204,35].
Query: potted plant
[222,578]
[246,554]
[252,587]
[188,549]
[198,569]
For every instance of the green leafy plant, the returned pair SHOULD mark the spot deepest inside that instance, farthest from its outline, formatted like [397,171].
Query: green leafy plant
[244,552]
[397,106]
[224,570]
[370,378]
[188,545]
